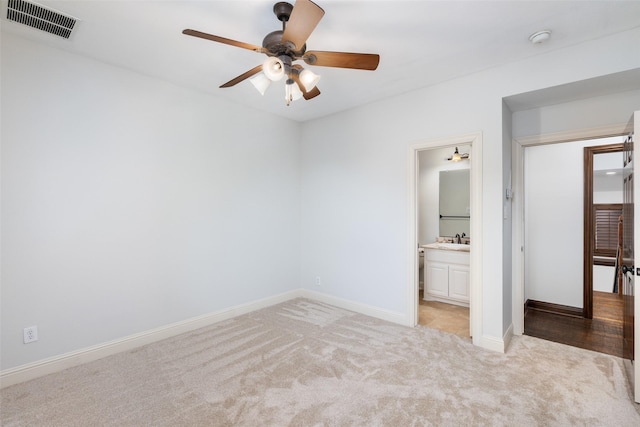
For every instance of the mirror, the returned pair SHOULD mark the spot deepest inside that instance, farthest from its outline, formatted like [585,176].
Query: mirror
[455,203]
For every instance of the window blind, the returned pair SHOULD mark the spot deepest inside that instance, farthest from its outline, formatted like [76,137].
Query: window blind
[606,228]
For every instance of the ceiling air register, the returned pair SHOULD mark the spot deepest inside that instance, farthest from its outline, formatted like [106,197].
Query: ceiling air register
[41,18]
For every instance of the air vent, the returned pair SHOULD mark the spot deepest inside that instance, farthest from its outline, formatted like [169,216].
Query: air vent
[39,17]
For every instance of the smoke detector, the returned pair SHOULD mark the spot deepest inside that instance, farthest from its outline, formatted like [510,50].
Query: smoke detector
[540,36]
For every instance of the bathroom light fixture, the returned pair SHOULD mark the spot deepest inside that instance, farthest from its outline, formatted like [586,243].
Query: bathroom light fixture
[456,157]
[540,36]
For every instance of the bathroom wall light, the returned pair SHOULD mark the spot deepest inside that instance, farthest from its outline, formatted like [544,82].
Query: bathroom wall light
[456,157]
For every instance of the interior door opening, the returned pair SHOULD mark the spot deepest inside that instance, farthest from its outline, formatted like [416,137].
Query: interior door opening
[520,251]
[444,239]
[474,271]
[603,199]
[560,189]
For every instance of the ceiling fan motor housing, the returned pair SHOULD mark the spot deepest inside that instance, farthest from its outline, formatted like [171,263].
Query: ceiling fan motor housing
[283,10]
[273,43]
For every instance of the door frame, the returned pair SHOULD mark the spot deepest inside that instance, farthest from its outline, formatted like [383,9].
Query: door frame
[517,166]
[475,286]
[589,233]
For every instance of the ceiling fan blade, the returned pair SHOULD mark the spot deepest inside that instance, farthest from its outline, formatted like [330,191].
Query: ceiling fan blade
[303,20]
[219,39]
[360,61]
[243,76]
[311,94]
[307,95]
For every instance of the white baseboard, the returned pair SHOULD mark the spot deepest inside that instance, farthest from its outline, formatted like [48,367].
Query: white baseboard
[497,344]
[506,338]
[388,315]
[50,365]
[492,343]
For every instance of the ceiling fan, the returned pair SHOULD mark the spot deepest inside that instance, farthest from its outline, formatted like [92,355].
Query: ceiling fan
[285,46]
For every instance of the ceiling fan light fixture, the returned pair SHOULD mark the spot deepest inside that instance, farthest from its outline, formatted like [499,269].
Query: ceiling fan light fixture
[291,91]
[309,79]
[260,82]
[273,68]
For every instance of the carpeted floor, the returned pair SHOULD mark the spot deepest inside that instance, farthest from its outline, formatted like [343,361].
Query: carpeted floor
[303,363]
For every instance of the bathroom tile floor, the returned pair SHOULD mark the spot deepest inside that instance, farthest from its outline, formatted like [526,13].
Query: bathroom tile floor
[444,317]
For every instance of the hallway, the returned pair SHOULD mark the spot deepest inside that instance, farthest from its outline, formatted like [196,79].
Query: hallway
[603,333]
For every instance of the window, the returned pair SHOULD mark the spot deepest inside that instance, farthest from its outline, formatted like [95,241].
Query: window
[606,228]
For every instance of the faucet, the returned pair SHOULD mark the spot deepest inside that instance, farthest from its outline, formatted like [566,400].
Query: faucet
[458,237]
[462,237]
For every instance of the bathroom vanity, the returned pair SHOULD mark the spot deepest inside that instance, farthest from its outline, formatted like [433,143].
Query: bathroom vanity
[446,273]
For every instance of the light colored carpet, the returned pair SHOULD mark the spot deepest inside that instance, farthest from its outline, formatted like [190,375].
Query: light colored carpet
[303,363]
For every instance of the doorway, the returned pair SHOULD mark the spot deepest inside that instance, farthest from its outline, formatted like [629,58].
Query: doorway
[444,216]
[475,263]
[603,199]
[573,303]
[561,243]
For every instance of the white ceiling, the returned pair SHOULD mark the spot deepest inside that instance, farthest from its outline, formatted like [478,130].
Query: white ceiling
[420,42]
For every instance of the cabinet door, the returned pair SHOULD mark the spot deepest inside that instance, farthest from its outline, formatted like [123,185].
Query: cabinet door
[459,282]
[436,276]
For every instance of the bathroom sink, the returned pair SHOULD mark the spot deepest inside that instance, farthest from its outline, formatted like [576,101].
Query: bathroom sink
[454,246]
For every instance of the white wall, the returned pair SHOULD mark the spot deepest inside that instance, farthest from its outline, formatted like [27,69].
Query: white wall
[354,184]
[431,162]
[603,278]
[129,203]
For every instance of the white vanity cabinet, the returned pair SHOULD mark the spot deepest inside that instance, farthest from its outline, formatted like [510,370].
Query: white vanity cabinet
[446,276]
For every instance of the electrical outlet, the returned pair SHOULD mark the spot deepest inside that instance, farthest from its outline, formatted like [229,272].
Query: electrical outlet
[30,334]
[318,281]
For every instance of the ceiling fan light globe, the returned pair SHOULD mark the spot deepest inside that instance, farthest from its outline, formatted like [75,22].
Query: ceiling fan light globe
[273,68]
[309,79]
[291,91]
[260,82]
[296,93]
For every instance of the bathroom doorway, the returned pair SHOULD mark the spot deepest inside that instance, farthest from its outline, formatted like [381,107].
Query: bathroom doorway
[436,149]
[444,238]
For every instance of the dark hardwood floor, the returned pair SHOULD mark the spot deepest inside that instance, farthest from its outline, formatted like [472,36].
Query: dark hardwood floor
[603,333]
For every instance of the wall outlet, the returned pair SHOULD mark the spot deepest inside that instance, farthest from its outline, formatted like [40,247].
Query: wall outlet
[318,281]
[30,334]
